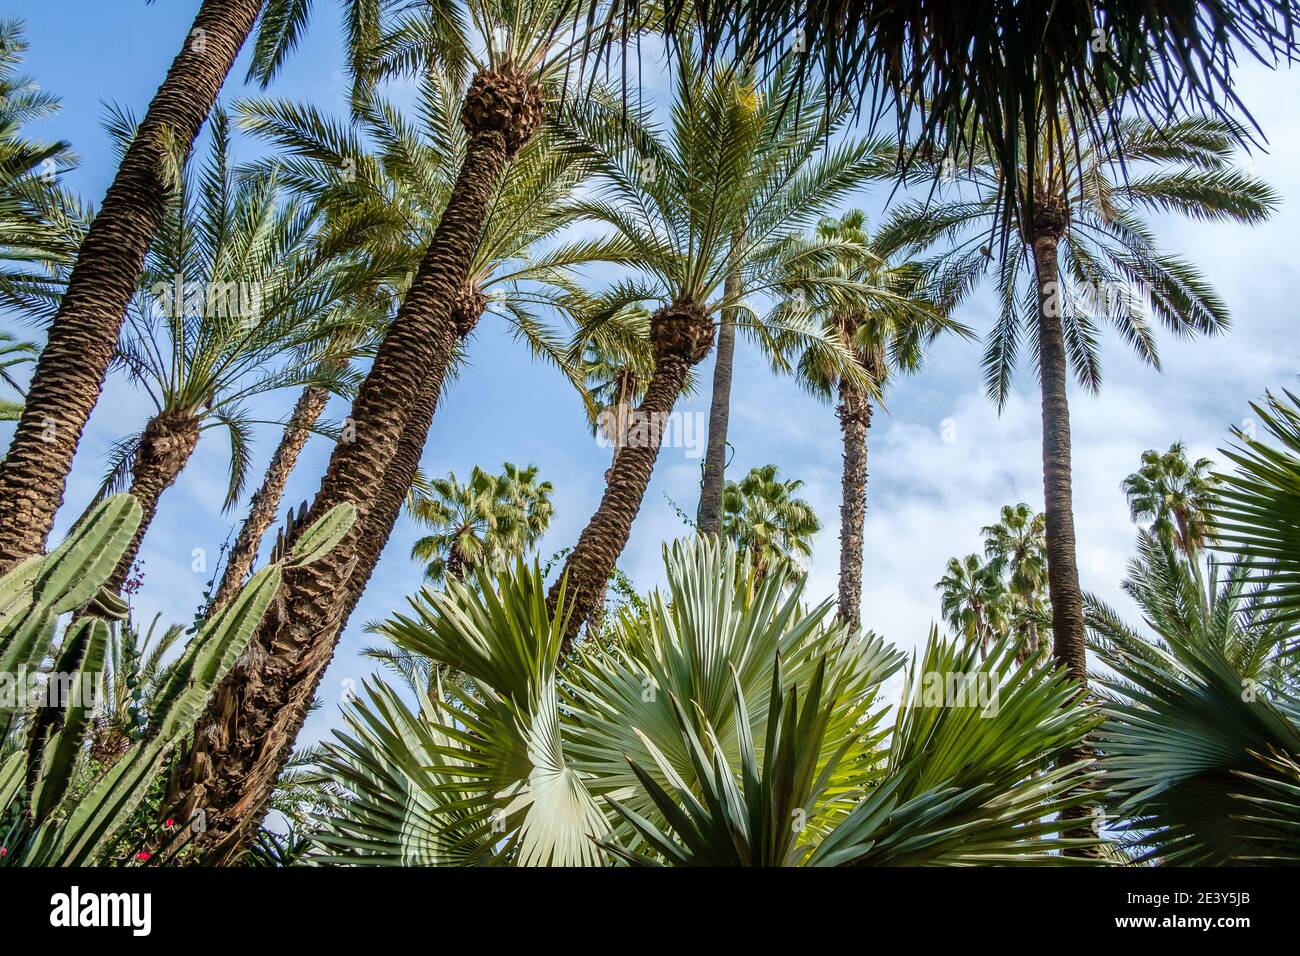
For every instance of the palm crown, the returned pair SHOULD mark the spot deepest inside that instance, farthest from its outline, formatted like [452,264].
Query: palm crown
[765,519]
[1111,267]
[236,300]
[1173,493]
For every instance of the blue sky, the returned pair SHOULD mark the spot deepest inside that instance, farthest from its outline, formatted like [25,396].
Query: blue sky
[941,458]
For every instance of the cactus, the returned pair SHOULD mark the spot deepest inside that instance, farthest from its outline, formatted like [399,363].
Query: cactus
[63,831]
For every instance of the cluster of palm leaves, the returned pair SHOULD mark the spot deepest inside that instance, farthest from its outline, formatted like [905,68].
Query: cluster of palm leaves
[485,522]
[730,725]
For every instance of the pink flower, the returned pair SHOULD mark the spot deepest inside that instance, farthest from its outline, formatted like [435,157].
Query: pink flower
[3,851]
[169,822]
[143,855]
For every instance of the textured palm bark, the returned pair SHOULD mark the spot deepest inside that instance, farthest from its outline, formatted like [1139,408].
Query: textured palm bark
[247,732]
[682,336]
[70,373]
[265,504]
[855,418]
[708,517]
[1058,498]
[467,307]
[166,444]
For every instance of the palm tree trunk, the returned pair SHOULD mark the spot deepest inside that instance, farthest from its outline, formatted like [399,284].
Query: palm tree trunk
[467,307]
[855,419]
[248,730]
[70,372]
[682,335]
[708,517]
[166,445]
[265,504]
[1058,497]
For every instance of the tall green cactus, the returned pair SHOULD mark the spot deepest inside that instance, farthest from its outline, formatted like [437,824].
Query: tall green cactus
[62,831]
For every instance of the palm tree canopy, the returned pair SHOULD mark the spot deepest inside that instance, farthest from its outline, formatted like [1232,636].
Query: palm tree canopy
[487,521]
[1112,269]
[1173,493]
[878,309]
[765,519]
[730,185]
[973,599]
[236,299]
[971,77]
[41,224]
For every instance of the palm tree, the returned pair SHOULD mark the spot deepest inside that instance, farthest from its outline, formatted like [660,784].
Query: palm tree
[1088,258]
[1017,547]
[484,523]
[232,770]
[236,301]
[768,524]
[883,331]
[973,601]
[86,326]
[737,160]
[649,749]
[1172,493]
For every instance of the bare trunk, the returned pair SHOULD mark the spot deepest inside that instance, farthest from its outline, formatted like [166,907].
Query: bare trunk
[682,336]
[71,369]
[708,517]
[855,418]
[1058,499]
[166,445]
[248,730]
[265,504]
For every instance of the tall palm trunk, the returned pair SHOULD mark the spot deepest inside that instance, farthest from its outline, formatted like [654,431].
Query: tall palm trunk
[248,730]
[681,335]
[1058,498]
[467,307]
[708,517]
[166,445]
[70,373]
[855,418]
[266,500]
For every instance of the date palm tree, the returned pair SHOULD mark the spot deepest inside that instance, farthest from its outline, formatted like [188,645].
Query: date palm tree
[485,522]
[86,325]
[884,330]
[736,161]
[236,301]
[768,524]
[1084,258]
[1017,547]
[1172,492]
[974,601]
